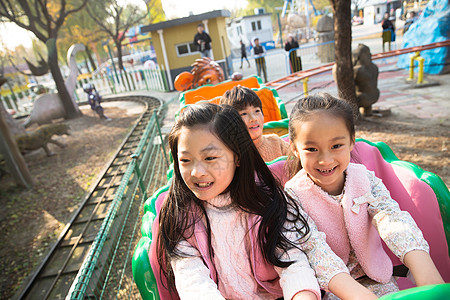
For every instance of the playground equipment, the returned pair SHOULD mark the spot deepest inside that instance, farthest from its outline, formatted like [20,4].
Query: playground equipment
[421,193]
[273,107]
[431,26]
[421,61]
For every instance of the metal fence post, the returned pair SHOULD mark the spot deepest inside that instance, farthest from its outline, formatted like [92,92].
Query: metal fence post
[138,173]
[160,136]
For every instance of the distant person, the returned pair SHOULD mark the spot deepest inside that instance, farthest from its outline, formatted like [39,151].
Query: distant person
[258,51]
[388,35]
[244,54]
[411,18]
[94,100]
[296,62]
[203,41]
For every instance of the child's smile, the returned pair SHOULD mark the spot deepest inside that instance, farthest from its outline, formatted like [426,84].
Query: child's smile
[204,184]
[323,144]
[327,172]
[206,164]
[254,120]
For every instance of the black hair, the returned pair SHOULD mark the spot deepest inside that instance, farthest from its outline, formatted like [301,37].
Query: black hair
[309,105]
[240,98]
[263,197]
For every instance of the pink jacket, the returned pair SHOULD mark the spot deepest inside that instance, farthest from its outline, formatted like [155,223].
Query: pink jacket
[347,227]
[264,272]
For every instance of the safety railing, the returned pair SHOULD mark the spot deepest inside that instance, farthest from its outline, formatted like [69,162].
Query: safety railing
[277,60]
[106,272]
[302,75]
[322,51]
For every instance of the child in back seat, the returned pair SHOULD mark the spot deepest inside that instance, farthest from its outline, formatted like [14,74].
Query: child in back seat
[249,106]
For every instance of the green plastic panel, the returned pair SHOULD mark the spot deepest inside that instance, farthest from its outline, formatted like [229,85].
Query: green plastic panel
[429,292]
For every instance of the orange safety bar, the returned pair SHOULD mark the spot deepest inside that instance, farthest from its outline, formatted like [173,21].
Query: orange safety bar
[290,79]
[269,104]
[209,92]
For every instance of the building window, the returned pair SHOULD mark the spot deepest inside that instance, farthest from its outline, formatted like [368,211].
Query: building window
[256,25]
[239,30]
[378,10]
[186,49]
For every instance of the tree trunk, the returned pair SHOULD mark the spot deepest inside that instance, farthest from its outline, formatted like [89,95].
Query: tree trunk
[119,55]
[71,109]
[91,59]
[343,52]
[13,158]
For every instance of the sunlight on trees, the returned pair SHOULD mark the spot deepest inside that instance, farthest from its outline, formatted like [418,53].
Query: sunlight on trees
[121,18]
[45,21]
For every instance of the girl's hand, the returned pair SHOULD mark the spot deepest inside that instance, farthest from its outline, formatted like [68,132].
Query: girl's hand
[304,295]
[345,287]
[422,268]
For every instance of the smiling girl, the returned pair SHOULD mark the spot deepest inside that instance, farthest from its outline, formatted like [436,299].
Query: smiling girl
[347,202]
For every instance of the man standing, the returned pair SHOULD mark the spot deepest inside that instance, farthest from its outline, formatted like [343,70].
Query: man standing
[244,54]
[259,52]
[388,34]
[202,40]
[296,61]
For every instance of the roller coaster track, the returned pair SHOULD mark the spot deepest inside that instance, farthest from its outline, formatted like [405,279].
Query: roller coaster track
[292,78]
[54,277]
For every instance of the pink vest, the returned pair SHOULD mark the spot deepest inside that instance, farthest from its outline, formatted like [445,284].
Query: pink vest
[350,226]
[264,273]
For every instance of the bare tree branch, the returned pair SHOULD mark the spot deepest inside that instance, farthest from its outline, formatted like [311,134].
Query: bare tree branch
[77,9]
[120,24]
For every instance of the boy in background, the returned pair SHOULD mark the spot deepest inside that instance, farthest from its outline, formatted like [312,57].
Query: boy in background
[249,106]
[259,52]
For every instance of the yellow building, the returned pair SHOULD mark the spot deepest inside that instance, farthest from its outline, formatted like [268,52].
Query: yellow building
[173,42]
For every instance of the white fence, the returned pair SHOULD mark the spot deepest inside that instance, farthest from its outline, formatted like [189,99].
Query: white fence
[277,60]
[131,80]
[106,84]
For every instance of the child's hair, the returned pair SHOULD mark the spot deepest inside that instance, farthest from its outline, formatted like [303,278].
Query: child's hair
[309,105]
[240,98]
[253,189]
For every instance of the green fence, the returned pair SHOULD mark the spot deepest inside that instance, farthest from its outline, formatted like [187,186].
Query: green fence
[106,272]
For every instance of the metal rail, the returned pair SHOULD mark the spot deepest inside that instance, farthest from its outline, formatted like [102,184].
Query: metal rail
[292,78]
[54,277]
